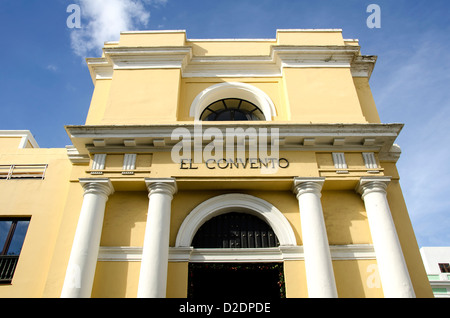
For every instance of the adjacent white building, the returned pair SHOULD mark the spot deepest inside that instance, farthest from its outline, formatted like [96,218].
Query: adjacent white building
[437,266]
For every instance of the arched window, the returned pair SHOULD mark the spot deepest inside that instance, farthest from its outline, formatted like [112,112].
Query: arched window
[235,230]
[233,92]
[231,109]
[230,203]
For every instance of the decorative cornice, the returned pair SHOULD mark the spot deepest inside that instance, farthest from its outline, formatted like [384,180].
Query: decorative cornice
[378,138]
[232,66]
[314,56]
[148,57]
[272,65]
[75,157]
[99,68]
[362,66]
[392,155]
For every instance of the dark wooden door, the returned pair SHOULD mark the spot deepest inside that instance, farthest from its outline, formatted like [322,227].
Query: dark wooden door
[237,281]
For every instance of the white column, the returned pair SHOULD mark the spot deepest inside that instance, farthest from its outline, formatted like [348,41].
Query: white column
[155,252]
[392,268]
[83,257]
[319,268]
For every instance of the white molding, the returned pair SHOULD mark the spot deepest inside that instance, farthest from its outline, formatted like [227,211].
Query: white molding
[75,157]
[280,57]
[26,136]
[352,251]
[232,40]
[235,202]
[129,163]
[184,31]
[369,160]
[153,31]
[314,56]
[98,163]
[295,137]
[339,162]
[100,68]
[232,90]
[362,66]
[392,155]
[282,253]
[274,254]
[181,57]
[233,66]
[309,30]
[130,58]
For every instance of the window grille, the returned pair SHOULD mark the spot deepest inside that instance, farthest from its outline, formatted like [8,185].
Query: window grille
[8,265]
[235,230]
[231,109]
[32,171]
[12,236]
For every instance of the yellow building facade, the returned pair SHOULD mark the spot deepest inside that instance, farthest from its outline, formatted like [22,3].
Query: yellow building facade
[211,168]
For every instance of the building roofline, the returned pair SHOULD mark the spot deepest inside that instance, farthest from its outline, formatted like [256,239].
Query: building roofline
[26,136]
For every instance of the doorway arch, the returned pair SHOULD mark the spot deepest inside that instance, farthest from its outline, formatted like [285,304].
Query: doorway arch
[235,202]
[229,275]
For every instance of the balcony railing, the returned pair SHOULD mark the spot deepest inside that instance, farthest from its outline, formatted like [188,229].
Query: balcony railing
[8,265]
[32,171]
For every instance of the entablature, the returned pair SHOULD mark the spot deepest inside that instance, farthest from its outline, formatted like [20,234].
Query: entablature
[379,138]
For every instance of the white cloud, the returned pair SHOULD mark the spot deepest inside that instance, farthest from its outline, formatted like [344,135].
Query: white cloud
[52,67]
[103,20]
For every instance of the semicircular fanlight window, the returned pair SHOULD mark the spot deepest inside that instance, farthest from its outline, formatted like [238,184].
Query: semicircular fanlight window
[231,109]
[235,230]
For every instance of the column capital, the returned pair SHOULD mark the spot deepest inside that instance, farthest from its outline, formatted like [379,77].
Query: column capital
[368,185]
[102,186]
[161,185]
[307,185]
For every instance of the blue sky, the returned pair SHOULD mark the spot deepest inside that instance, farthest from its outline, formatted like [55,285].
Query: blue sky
[45,84]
